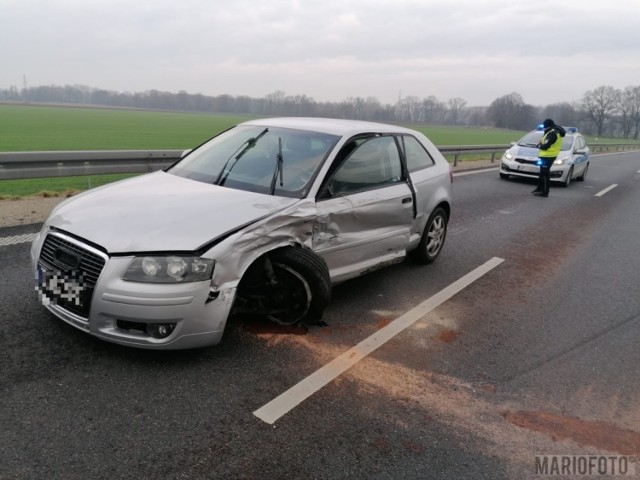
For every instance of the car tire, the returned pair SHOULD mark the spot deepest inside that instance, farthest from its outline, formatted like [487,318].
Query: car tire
[504,176]
[297,286]
[567,182]
[433,237]
[584,173]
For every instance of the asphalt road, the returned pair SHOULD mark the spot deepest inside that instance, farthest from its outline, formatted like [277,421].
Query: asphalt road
[538,356]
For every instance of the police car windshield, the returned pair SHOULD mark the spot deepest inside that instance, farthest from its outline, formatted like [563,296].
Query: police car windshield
[532,139]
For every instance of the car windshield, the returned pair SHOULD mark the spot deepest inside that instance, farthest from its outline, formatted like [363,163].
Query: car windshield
[532,139]
[270,160]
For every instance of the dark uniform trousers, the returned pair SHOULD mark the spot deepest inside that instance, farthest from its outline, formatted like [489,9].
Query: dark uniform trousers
[544,179]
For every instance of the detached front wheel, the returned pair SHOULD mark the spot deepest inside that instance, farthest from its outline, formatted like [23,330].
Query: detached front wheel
[287,285]
[433,237]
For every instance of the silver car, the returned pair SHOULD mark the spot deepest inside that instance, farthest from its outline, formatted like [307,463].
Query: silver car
[262,219]
[521,160]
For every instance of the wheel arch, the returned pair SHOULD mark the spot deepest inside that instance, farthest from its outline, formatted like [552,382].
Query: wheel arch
[293,256]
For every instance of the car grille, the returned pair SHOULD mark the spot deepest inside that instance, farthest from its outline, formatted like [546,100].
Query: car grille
[71,258]
[526,162]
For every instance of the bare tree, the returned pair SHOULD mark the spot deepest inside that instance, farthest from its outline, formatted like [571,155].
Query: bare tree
[433,110]
[600,105]
[408,109]
[353,107]
[561,113]
[274,102]
[629,109]
[510,111]
[455,108]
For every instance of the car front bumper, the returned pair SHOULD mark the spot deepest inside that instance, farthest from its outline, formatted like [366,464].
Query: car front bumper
[526,170]
[119,311]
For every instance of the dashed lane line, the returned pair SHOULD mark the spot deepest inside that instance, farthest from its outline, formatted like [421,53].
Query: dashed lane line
[288,400]
[606,190]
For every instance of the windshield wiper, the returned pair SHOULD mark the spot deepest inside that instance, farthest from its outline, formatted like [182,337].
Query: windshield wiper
[248,145]
[279,168]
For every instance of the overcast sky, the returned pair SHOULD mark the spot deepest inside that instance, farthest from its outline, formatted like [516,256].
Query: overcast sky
[479,50]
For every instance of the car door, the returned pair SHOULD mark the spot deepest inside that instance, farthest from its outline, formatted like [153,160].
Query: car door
[580,155]
[365,208]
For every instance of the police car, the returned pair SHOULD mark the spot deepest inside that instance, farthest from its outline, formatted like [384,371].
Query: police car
[521,160]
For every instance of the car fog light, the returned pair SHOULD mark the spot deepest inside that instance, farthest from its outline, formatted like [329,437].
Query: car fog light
[160,330]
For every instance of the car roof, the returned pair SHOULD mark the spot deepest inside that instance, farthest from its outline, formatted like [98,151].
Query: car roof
[333,126]
[569,133]
[567,129]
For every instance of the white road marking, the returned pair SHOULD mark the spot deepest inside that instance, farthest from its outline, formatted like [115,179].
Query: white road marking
[288,400]
[606,190]
[17,239]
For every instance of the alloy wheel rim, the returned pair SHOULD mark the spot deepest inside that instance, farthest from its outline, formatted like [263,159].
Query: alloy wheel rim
[436,234]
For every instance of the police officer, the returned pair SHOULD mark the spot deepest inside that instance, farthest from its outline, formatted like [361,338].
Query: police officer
[549,149]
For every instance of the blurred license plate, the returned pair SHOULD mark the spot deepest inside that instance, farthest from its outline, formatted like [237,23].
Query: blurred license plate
[60,287]
[529,168]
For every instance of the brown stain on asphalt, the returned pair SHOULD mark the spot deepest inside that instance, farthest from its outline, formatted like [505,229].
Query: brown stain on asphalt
[448,336]
[584,432]
[489,388]
[383,322]
[330,330]
[266,327]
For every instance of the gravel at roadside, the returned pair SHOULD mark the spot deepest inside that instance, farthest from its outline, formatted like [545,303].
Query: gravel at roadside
[27,210]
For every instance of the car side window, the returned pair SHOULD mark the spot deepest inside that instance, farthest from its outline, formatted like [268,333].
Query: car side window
[416,155]
[372,163]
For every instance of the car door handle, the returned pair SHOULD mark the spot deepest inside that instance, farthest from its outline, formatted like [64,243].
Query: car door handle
[407,200]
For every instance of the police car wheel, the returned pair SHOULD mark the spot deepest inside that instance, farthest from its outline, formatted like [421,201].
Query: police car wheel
[567,182]
[584,173]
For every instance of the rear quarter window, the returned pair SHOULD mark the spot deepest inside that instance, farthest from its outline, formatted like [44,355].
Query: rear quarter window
[416,155]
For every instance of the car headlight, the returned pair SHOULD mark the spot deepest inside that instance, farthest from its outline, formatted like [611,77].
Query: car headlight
[508,156]
[561,160]
[169,269]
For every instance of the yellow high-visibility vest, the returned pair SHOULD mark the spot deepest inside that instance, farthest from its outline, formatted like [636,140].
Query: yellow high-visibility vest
[554,149]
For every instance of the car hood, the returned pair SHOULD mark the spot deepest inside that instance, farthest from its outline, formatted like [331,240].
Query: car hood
[161,212]
[524,152]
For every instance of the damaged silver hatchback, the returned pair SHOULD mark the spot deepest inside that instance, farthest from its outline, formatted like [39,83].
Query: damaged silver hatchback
[262,219]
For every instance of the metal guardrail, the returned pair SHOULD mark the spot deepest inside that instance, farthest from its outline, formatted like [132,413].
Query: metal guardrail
[457,151]
[21,165]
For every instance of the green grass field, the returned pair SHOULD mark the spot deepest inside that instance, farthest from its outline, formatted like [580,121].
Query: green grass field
[55,186]
[34,128]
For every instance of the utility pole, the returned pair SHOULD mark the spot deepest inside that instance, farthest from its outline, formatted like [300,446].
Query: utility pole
[24,88]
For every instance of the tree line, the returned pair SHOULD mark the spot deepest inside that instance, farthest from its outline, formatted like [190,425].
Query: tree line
[604,111]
